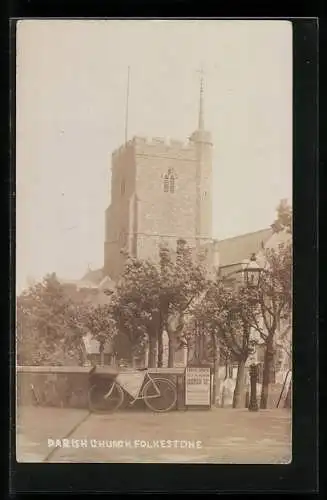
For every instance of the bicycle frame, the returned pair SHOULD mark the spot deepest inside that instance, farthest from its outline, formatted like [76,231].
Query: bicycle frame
[106,396]
[140,394]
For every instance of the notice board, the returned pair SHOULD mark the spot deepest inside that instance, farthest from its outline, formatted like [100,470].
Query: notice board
[198,386]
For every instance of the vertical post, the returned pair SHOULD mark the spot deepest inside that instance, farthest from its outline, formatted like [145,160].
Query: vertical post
[146,357]
[180,382]
[127,103]
[185,355]
[198,173]
[253,405]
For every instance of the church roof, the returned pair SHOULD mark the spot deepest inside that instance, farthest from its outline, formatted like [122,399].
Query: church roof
[93,276]
[107,284]
[235,250]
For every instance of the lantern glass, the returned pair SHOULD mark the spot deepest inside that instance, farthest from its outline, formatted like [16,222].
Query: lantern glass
[252,272]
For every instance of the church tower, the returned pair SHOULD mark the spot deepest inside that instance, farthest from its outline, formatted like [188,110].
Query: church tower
[160,192]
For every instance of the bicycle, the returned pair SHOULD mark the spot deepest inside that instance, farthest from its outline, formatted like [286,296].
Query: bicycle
[46,395]
[159,394]
[50,393]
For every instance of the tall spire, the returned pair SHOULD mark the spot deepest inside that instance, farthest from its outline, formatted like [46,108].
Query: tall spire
[200,135]
[201,107]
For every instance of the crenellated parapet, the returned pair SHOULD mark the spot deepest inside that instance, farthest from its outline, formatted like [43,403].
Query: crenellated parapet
[157,146]
[164,147]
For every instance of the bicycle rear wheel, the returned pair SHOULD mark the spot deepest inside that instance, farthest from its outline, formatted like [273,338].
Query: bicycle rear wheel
[105,398]
[167,398]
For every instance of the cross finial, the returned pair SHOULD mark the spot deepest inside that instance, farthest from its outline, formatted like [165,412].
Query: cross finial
[201,72]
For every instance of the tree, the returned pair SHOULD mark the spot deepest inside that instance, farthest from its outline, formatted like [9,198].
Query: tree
[135,304]
[225,312]
[153,297]
[97,319]
[274,298]
[49,330]
[284,219]
[182,282]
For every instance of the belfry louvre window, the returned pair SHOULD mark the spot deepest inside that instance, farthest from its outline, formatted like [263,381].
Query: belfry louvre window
[169,182]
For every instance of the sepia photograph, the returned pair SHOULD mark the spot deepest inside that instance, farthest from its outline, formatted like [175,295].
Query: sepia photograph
[154,248]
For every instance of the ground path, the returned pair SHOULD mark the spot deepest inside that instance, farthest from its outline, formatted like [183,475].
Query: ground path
[226,436]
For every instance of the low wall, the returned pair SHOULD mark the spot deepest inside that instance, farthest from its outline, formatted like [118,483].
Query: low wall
[68,386]
[58,386]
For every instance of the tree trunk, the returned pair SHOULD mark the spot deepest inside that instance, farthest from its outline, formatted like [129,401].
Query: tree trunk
[216,380]
[101,349]
[174,327]
[199,346]
[160,349]
[171,351]
[288,399]
[152,352]
[267,366]
[82,356]
[146,357]
[239,386]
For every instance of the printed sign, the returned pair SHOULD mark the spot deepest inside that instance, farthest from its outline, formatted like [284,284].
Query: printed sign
[197,386]
[131,382]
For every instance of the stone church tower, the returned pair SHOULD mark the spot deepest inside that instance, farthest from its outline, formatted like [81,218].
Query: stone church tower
[160,191]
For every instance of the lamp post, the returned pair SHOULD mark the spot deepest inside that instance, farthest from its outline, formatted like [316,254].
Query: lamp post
[252,274]
[253,404]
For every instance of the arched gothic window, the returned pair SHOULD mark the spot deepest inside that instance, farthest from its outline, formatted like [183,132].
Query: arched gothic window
[169,182]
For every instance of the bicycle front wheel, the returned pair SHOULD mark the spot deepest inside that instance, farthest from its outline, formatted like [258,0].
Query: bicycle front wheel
[105,398]
[160,395]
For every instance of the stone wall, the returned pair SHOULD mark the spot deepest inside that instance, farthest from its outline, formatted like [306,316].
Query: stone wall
[67,386]
[171,215]
[58,386]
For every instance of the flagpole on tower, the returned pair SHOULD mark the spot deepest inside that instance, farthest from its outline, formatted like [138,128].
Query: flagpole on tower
[201,107]
[127,104]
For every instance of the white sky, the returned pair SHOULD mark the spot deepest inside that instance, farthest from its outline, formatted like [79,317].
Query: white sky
[71,91]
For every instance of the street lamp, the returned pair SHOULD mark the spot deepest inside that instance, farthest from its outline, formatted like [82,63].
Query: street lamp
[251,272]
